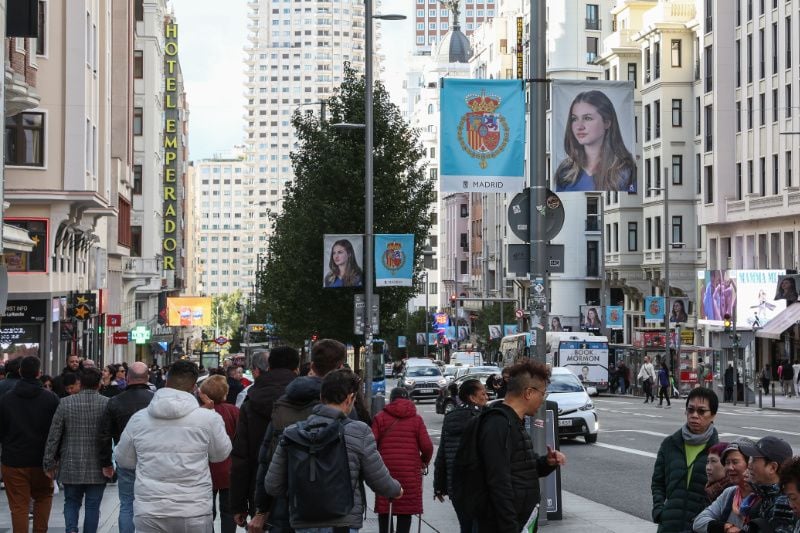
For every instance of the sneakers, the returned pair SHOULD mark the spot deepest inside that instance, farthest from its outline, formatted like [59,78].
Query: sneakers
[659,405]
[668,407]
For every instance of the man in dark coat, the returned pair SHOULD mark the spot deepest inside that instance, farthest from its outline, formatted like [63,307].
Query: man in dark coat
[679,476]
[73,366]
[272,371]
[136,396]
[25,416]
[12,375]
[472,394]
[511,469]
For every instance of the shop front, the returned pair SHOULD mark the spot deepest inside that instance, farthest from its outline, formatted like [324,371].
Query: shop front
[22,328]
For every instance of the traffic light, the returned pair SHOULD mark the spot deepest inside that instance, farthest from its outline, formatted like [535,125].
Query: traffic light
[726,322]
[100,329]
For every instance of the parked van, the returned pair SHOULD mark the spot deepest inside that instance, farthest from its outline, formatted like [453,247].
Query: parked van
[466,358]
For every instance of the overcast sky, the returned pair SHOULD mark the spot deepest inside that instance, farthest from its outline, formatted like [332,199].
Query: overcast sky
[212,36]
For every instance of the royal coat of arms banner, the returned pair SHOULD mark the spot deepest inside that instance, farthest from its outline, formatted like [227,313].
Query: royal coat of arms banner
[394,260]
[482,135]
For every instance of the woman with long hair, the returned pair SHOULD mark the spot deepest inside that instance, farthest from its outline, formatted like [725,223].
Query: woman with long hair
[592,319]
[343,268]
[597,159]
[678,313]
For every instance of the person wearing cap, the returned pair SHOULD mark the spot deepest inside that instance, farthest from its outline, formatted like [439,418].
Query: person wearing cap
[790,485]
[767,506]
[679,475]
[725,513]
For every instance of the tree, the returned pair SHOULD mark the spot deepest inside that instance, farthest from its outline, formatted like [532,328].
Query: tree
[327,196]
[490,315]
[226,312]
[408,324]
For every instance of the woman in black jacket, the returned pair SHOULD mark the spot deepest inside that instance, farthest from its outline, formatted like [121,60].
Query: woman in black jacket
[473,398]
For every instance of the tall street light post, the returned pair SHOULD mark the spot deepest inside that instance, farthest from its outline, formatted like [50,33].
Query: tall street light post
[369,128]
[427,259]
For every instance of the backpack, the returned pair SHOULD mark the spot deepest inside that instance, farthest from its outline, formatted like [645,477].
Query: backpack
[470,492]
[317,464]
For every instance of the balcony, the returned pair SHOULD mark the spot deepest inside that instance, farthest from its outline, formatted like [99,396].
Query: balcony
[593,24]
[593,223]
[20,94]
[140,267]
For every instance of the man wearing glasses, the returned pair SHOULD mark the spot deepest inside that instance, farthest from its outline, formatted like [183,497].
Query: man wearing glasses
[679,475]
[511,467]
[767,458]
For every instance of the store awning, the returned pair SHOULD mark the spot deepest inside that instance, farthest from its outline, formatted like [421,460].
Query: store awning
[16,239]
[782,321]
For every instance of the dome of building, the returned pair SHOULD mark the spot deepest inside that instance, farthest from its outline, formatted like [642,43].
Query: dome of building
[453,48]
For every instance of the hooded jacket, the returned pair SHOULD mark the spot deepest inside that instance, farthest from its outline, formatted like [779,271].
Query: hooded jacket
[170,445]
[25,416]
[365,463]
[254,417]
[406,449]
[453,426]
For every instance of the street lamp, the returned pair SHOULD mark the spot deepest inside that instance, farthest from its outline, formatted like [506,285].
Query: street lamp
[427,256]
[667,331]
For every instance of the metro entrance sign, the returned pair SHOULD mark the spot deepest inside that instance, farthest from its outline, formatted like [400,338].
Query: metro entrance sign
[221,340]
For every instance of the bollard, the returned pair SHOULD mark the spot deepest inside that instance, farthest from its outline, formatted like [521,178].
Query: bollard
[760,393]
[773,393]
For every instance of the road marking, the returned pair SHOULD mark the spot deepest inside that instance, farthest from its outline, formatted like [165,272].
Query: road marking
[738,435]
[612,401]
[642,431]
[748,413]
[624,449]
[775,431]
[620,412]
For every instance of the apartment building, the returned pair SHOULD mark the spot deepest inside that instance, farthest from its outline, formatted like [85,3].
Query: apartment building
[433,19]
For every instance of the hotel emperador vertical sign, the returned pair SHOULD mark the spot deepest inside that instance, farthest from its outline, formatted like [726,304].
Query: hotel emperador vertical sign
[170,241]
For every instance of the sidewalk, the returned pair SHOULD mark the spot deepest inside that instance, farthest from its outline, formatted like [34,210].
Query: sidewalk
[782,403]
[579,514]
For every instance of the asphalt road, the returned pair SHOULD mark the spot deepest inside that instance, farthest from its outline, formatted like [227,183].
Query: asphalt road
[616,471]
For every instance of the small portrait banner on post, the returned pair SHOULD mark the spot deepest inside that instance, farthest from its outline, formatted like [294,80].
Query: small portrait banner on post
[654,309]
[394,260]
[593,136]
[343,256]
[495,331]
[591,317]
[482,135]
[615,316]
[678,310]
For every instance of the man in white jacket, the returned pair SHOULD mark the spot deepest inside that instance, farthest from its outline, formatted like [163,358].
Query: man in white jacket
[648,376]
[170,444]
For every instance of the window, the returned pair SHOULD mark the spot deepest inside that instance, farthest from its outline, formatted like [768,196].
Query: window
[25,140]
[616,236]
[738,62]
[774,47]
[656,61]
[136,241]
[788,102]
[137,179]
[648,233]
[762,175]
[750,113]
[788,156]
[647,64]
[657,118]
[592,213]
[774,105]
[761,54]
[677,230]
[709,79]
[657,231]
[738,181]
[41,38]
[632,74]
[709,115]
[749,58]
[762,112]
[633,236]
[775,185]
[36,259]
[697,121]
[709,19]
[592,258]
[464,267]
[138,64]
[677,170]
[709,185]
[138,10]
[591,49]
[749,10]
[698,172]
[788,42]
[647,132]
[738,116]
[592,17]
[124,223]
[138,121]
[675,53]
[750,177]
[657,173]
[648,178]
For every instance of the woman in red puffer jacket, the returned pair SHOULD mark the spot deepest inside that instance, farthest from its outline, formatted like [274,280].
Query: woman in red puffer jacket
[406,449]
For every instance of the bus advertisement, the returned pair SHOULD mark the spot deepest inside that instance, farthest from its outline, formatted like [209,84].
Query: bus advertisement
[588,360]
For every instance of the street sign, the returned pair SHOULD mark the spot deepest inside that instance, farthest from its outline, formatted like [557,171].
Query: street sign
[519,313]
[120,337]
[519,259]
[359,306]
[519,215]
[221,340]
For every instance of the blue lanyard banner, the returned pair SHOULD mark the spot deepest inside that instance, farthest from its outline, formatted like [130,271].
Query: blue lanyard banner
[482,135]
[394,260]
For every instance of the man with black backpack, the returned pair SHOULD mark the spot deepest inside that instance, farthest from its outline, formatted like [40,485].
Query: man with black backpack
[496,473]
[320,464]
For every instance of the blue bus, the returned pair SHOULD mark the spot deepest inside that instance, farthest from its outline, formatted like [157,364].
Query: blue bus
[380,356]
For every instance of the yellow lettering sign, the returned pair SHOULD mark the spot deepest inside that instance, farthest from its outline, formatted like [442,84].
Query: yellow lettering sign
[169,157]
[171,66]
[169,263]
[170,211]
[170,244]
[169,226]
[172,84]
[172,125]
[170,141]
[171,48]
[171,101]
[169,175]
[169,193]
[171,31]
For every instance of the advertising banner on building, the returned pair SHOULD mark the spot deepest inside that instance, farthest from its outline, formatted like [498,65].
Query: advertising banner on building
[654,309]
[343,256]
[615,316]
[678,310]
[189,311]
[591,317]
[495,331]
[482,135]
[394,260]
[593,136]
[748,296]
[510,329]
[587,360]
[787,288]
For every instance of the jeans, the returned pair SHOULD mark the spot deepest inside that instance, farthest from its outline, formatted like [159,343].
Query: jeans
[73,498]
[663,392]
[226,517]
[647,386]
[622,389]
[125,480]
[22,484]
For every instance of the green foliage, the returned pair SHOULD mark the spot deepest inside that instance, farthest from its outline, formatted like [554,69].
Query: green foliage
[327,196]
[230,313]
[408,324]
[487,316]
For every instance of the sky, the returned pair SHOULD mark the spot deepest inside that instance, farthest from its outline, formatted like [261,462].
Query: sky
[212,37]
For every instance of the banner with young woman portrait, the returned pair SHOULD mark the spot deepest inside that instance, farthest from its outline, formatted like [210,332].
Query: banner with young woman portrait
[343,256]
[593,136]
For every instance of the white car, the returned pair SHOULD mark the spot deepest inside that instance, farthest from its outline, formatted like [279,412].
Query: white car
[577,416]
